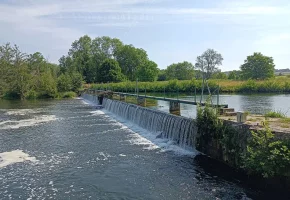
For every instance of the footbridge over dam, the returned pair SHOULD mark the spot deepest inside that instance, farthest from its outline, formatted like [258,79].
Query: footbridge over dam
[174,103]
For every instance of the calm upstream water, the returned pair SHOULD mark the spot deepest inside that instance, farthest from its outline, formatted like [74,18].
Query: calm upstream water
[255,103]
[66,149]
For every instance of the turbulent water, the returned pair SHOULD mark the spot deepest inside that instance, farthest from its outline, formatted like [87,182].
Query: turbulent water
[69,150]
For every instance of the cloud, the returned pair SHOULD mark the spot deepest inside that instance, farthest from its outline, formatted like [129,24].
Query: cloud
[53,24]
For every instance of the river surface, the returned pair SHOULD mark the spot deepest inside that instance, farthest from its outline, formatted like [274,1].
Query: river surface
[66,149]
[255,103]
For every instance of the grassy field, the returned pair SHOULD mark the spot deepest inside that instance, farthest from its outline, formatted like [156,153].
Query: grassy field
[280,84]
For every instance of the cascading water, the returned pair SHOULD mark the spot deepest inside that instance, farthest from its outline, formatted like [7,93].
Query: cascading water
[91,98]
[179,129]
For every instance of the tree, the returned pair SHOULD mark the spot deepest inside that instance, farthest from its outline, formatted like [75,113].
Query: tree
[219,75]
[80,53]
[258,66]
[234,75]
[76,81]
[103,48]
[64,83]
[180,71]
[110,71]
[148,71]
[161,75]
[207,63]
[129,59]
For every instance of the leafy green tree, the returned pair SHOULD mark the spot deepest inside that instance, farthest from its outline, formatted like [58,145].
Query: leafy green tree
[64,83]
[234,75]
[219,75]
[129,59]
[80,53]
[48,86]
[76,80]
[180,71]
[110,71]
[207,63]
[258,66]
[103,48]
[148,71]
[161,75]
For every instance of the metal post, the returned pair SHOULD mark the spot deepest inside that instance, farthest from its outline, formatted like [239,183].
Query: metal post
[195,94]
[137,92]
[164,92]
[218,96]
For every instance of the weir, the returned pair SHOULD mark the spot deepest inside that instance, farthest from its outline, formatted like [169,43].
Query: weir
[179,129]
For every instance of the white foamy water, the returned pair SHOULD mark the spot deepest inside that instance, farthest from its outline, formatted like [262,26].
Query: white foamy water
[143,137]
[16,156]
[15,124]
[22,111]
[97,112]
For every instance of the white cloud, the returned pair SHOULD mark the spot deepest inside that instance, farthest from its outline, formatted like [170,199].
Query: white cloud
[57,23]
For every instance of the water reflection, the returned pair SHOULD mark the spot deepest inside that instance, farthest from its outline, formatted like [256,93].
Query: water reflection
[255,103]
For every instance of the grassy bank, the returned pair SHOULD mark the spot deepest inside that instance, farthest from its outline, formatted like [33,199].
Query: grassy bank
[277,85]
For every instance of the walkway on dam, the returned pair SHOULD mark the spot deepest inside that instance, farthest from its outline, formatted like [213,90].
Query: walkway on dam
[177,100]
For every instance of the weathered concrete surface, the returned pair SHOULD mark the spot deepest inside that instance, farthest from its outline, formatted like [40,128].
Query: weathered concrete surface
[141,101]
[122,97]
[174,106]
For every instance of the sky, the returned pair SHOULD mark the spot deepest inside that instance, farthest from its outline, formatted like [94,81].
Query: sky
[169,30]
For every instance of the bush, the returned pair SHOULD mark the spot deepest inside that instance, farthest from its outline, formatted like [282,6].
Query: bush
[266,156]
[68,95]
[275,114]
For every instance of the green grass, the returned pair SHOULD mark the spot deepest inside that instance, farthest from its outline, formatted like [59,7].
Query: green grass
[275,114]
[286,120]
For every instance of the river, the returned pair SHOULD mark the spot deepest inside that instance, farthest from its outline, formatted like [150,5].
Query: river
[254,103]
[66,149]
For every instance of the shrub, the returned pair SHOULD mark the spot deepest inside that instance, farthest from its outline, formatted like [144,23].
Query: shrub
[266,156]
[275,114]
[68,95]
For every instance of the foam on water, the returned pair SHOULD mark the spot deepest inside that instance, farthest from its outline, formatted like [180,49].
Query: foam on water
[97,112]
[22,111]
[15,124]
[16,156]
[149,139]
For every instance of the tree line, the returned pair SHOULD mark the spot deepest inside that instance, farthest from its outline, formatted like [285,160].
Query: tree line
[105,59]
[32,76]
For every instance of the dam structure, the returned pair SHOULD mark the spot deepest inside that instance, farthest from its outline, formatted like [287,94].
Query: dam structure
[179,129]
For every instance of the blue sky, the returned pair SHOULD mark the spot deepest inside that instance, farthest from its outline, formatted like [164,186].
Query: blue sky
[169,30]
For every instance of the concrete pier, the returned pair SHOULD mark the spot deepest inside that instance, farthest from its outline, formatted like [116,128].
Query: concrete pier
[174,106]
[141,101]
[122,97]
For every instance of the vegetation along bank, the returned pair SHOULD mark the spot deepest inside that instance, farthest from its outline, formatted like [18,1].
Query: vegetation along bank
[108,60]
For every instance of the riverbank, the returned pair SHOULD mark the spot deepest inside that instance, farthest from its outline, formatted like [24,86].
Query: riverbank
[33,96]
[275,85]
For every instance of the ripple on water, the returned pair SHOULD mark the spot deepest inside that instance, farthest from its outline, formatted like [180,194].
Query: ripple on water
[15,124]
